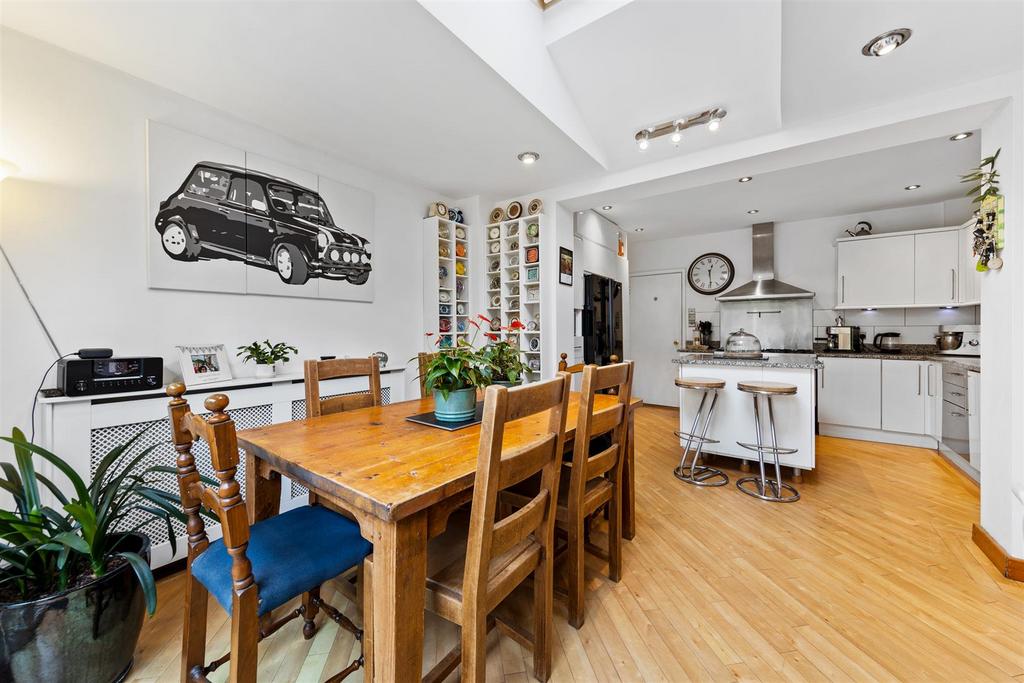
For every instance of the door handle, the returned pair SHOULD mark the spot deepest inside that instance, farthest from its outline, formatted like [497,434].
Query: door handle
[918,380]
[823,378]
[843,279]
[952,272]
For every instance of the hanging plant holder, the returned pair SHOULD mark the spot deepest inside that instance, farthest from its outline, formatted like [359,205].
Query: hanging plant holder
[989,216]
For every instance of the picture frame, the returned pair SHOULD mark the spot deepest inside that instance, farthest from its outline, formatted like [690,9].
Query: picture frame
[203,363]
[565,266]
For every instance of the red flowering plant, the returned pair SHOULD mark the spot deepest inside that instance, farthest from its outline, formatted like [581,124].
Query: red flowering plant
[460,366]
[505,357]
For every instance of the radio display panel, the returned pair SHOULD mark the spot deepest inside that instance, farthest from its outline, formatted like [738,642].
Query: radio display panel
[122,368]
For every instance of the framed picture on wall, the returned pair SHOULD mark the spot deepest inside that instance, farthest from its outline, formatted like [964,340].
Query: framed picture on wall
[203,363]
[565,266]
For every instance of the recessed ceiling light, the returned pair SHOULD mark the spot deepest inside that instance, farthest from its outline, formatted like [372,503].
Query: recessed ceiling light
[911,187]
[880,46]
[606,207]
[638,229]
[752,211]
[961,136]
[528,157]
[746,179]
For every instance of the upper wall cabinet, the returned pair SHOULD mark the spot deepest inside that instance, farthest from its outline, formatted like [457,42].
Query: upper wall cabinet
[919,268]
[876,272]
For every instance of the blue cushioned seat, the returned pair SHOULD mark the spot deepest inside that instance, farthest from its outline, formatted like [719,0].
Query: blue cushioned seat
[290,553]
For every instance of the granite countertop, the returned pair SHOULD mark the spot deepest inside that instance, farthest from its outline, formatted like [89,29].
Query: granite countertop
[795,361]
[909,352]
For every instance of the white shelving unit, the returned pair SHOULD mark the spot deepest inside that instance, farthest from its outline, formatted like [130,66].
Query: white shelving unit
[513,283]
[446,288]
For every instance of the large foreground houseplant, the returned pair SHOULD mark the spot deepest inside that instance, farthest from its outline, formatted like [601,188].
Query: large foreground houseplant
[75,579]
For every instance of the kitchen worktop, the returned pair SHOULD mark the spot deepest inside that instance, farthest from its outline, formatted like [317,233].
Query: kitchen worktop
[970,363]
[795,361]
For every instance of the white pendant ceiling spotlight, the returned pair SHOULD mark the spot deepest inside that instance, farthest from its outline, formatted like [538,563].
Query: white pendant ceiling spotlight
[712,118]
[881,45]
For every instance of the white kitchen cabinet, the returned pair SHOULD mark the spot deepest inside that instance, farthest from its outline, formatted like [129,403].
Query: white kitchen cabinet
[904,394]
[876,271]
[850,392]
[974,417]
[936,267]
[969,290]
[933,401]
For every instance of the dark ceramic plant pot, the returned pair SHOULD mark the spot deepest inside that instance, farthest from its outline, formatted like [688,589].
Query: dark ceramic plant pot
[84,634]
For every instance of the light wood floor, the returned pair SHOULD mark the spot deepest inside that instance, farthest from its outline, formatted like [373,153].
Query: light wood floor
[870,576]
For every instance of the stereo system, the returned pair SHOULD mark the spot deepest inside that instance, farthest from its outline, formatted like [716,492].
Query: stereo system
[94,375]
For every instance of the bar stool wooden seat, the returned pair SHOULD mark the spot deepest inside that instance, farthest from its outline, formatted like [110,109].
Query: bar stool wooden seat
[690,470]
[775,491]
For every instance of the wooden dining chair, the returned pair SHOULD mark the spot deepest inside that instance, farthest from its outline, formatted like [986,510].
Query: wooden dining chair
[317,371]
[252,569]
[563,365]
[423,360]
[496,556]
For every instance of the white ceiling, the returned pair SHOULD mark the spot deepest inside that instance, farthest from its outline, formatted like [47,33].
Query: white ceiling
[864,182]
[390,86]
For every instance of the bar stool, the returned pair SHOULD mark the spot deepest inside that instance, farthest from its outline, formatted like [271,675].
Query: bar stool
[767,489]
[692,473]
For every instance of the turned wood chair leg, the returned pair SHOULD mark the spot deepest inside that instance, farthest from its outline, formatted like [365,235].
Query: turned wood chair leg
[367,585]
[193,639]
[245,636]
[575,574]
[543,584]
[615,534]
[309,612]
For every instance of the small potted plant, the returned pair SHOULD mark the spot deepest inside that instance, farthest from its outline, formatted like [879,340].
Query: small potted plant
[266,355]
[455,374]
[75,579]
[505,357]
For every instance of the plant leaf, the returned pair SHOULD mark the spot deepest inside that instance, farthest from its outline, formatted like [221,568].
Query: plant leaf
[73,541]
[145,576]
[80,488]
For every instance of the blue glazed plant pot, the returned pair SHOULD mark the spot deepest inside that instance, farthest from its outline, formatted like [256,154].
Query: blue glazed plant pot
[460,405]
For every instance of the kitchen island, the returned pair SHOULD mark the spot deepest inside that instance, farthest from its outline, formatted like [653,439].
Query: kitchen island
[734,413]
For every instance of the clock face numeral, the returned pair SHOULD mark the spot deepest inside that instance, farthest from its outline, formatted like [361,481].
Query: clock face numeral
[710,273]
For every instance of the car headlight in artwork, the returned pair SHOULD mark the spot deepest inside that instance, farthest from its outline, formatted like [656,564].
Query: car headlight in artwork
[366,258]
[366,248]
[323,239]
[335,254]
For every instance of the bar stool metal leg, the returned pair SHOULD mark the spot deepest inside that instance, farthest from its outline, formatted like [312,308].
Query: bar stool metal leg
[775,491]
[694,473]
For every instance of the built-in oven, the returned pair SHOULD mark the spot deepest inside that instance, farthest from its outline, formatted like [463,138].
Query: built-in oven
[955,420]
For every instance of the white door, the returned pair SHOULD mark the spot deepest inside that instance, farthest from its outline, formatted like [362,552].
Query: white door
[850,392]
[876,271]
[904,391]
[936,266]
[656,331]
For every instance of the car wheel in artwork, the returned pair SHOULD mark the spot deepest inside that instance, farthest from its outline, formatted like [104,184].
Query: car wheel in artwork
[359,278]
[178,243]
[290,264]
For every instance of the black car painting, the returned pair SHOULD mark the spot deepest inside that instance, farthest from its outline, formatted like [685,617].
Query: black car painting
[223,211]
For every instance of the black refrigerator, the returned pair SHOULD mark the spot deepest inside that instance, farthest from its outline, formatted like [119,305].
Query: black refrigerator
[602,319]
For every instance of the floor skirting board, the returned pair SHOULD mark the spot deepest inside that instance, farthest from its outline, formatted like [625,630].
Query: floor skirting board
[1008,566]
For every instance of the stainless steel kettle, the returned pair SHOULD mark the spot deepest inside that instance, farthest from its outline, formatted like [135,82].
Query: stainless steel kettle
[887,342]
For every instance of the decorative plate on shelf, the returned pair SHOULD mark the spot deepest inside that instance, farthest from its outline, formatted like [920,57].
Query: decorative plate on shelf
[460,286]
[513,304]
[494,233]
[495,301]
[514,275]
[535,344]
[446,342]
[494,265]
[495,247]
[444,297]
[533,274]
[532,230]
[460,309]
[534,364]
[444,309]
[513,245]
[495,324]
[513,230]
[513,260]
[444,324]
[460,268]
[460,233]
[460,249]
[497,215]
[532,254]
[534,207]
[495,283]
[532,295]
[442,234]
[442,272]
[514,210]
[461,326]
[532,326]
[443,251]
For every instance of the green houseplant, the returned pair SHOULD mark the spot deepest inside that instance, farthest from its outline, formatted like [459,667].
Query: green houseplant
[75,578]
[505,358]
[266,355]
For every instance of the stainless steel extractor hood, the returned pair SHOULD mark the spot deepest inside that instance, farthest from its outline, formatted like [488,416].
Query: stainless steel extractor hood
[764,285]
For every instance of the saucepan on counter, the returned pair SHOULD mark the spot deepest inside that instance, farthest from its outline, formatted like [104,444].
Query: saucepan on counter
[949,341]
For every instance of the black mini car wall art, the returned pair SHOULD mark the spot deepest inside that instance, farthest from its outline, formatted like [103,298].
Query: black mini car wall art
[259,216]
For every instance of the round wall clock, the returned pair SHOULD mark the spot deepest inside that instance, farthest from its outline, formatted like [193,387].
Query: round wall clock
[710,273]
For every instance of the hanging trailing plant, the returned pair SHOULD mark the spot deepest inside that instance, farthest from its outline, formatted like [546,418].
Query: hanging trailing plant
[985,178]
[988,217]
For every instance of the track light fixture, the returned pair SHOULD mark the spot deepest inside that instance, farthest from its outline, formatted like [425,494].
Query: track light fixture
[712,118]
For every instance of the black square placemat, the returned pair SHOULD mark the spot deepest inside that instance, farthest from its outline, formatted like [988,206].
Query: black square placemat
[431,421]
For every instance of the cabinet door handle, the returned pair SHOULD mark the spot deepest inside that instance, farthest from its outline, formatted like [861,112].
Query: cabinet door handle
[918,380]
[952,281]
[823,378]
[843,287]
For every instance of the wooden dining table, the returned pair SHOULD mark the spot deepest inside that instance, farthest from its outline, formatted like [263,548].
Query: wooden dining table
[400,481]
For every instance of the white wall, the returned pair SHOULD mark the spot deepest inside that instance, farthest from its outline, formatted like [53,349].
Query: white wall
[805,256]
[74,223]
[1002,364]
[596,251]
